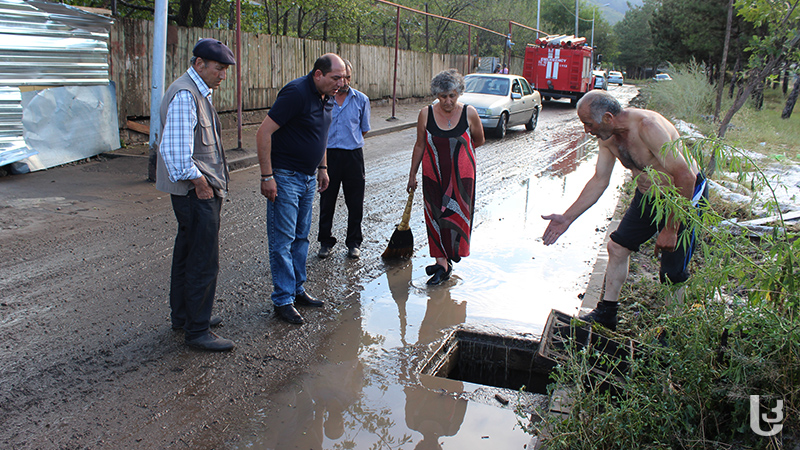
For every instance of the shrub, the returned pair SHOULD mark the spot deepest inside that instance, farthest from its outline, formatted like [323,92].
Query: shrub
[735,334]
[688,96]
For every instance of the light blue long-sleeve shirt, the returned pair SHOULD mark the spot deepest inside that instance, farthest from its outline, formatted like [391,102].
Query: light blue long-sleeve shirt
[349,122]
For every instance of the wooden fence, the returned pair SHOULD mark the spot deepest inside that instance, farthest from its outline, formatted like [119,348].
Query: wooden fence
[268,62]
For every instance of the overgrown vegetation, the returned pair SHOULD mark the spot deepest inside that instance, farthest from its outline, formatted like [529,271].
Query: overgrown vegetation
[730,332]
[688,96]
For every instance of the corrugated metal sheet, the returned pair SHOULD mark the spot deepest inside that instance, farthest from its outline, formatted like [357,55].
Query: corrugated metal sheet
[12,146]
[50,44]
[45,44]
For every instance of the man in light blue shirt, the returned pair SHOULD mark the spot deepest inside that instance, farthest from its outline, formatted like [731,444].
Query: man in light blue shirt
[345,159]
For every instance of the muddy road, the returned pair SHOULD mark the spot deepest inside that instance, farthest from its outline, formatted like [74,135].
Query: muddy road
[88,356]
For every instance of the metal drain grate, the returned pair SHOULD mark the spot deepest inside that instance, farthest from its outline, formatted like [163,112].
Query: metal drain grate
[491,360]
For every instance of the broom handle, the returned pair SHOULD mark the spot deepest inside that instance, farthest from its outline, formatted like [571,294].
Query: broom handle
[406,213]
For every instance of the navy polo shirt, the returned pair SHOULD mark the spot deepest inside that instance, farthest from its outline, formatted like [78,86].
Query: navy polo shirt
[304,118]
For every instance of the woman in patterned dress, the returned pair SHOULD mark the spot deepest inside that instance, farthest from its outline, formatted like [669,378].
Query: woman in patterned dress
[447,134]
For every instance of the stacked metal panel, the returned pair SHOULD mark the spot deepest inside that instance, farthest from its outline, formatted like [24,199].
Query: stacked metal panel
[45,44]
[50,44]
[12,145]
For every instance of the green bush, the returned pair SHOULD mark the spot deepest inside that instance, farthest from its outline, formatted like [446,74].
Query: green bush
[688,96]
[691,388]
[734,333]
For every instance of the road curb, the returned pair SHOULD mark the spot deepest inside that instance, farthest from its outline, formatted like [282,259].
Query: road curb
[244,158]
[391,129]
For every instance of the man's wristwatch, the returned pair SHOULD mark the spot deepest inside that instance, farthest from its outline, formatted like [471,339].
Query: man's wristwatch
[267,177]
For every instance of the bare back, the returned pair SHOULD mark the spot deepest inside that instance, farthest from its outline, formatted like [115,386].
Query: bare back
[637,141]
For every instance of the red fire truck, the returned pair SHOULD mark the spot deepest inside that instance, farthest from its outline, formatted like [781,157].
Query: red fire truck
[559,67]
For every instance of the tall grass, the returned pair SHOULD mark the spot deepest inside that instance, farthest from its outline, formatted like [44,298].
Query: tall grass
[734,331]
[688,96]
[764,131]
[691,98]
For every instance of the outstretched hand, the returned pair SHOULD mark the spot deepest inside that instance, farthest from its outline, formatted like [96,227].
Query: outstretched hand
[558,225]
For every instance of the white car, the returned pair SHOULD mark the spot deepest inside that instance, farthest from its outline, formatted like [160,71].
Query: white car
[662,77]
[600,80]
[502,101]
[615,77]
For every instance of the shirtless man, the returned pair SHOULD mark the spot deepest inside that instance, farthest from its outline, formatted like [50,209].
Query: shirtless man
[635,137]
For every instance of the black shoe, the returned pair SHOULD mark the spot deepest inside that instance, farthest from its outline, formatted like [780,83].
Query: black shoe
[324,252]
[306,300]
[289,314]
[215,321]
[354,253]
[440,274]
[604,314]
[211,342]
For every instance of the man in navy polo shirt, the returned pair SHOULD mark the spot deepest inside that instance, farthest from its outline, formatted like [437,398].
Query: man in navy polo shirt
[291,151]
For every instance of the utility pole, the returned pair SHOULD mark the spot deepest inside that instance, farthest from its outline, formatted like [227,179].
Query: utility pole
[538,11]
[577,11]
[427,36]
[157,82]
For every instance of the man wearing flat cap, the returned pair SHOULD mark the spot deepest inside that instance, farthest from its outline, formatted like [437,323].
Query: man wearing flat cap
[191,167]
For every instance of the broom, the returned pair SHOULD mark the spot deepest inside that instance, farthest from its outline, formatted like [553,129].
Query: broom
[401,244]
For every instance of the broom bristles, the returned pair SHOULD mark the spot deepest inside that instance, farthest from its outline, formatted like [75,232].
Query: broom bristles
[401,244]
[398,253]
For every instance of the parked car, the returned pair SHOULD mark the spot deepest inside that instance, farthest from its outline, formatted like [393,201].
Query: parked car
[662,77]
[600,80]
[615,77]
[502,101]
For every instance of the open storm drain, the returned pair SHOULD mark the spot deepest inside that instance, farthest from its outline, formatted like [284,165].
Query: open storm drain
[491,360]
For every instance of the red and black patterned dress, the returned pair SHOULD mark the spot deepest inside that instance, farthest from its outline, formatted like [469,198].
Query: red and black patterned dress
[448,186]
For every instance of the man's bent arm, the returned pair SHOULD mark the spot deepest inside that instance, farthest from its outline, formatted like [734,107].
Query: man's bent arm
[269,188]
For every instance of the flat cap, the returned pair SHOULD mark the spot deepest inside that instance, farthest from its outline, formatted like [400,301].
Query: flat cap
[214,50]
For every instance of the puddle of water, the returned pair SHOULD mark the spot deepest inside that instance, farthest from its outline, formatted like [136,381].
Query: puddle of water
[369,394]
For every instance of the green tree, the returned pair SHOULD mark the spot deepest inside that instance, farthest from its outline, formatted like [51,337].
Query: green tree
[635,39]
[778,41]
[689,30]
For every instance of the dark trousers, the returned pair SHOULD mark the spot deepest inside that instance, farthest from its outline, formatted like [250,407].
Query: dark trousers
[345,168]
[195,262]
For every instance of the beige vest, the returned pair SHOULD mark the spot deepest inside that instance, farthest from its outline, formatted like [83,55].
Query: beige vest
[207,154]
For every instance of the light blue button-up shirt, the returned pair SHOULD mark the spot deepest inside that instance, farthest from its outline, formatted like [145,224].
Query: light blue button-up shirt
[349,122]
